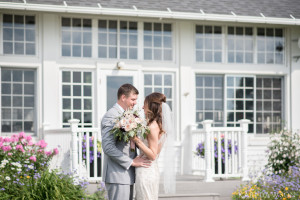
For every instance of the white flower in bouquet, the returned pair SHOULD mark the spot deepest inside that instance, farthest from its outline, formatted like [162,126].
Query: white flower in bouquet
[128,125]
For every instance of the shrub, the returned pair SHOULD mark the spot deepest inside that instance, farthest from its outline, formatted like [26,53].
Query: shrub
[284,152]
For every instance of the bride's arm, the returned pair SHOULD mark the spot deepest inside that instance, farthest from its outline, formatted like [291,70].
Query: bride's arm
[152,137]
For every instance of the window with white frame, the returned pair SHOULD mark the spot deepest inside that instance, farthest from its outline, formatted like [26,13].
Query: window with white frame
[257,98]
[158,41]
[209,99]
[76,37]
[18,104]
[77,97]
[111,36]
[239,100]
[208,43]
[269,113]
[270,45]
[240,44]
[19,34]
[160,82]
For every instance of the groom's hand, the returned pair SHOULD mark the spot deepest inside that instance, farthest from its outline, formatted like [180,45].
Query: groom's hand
[141,162]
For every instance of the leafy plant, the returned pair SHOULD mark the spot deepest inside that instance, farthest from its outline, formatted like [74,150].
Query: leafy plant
[91,148]
[284,152]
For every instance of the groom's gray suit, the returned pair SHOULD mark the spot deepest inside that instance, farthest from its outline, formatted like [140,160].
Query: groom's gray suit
[118,174]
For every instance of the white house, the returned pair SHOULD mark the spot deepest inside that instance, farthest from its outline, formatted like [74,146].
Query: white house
[214,60]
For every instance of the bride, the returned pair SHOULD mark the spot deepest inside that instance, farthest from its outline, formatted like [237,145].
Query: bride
[159,118]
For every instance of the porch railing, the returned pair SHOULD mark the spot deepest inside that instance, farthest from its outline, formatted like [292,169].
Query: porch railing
[225,151]
[86,153]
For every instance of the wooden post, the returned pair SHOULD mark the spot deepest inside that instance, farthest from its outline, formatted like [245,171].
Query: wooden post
[244,124]
[74,158]
[208,151]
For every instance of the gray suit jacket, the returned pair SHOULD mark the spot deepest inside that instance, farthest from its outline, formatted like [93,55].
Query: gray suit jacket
[117,154]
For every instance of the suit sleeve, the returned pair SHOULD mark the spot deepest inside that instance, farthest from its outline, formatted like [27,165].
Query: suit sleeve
[109,143]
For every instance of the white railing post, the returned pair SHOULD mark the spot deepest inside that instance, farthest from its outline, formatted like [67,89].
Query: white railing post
[208,150]
[244,124]
[74,158]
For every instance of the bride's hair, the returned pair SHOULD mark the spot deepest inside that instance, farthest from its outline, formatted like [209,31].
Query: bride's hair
[153,111]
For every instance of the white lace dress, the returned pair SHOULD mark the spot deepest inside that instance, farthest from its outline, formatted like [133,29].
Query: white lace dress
[147,179]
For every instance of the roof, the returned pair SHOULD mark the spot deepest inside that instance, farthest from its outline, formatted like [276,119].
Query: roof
[269,8]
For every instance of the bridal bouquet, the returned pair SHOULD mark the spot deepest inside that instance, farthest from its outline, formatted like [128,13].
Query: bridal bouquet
[128,125]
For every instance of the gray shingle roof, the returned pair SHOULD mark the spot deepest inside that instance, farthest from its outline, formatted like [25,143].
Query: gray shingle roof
[270,8]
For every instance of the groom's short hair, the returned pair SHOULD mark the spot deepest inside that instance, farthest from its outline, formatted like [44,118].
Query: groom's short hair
[126,89]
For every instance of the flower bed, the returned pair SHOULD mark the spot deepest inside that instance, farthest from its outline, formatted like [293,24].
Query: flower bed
[25,173]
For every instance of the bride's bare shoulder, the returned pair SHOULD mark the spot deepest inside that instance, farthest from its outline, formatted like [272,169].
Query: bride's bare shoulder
[153,125]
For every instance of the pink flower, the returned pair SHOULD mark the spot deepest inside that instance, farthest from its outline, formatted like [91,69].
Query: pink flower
[28,138]
[48,153]
[6,148]
[1,144]
[30,143]
[42,144]
[33,158]
[55,151]
[22,135]
[20,148]
[10,154]
[1,139]
[7,139]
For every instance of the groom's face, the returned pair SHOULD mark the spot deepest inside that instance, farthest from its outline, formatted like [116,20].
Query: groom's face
[130,101]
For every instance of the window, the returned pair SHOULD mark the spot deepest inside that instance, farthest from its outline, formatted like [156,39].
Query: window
[160,82]
[209,99]
[158,41]
[270,45]
[19,34]
[240,44]
[108,35]
[257,98]
[268,104]
[208,43]
[76,37]
[18,111]
[239,100]
[77,97]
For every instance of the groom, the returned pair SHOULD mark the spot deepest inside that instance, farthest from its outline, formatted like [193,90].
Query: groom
[119,162]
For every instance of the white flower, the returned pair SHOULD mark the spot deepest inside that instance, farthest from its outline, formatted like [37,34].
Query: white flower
[30,167]
[7,178]
[19,169]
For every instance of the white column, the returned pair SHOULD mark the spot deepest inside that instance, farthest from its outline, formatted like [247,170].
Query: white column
[244,124]
[74,127]
[208,150]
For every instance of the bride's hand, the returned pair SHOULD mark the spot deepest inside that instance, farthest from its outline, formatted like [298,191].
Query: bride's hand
[136,139]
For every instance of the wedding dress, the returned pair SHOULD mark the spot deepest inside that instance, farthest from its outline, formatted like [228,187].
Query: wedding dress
[147,179]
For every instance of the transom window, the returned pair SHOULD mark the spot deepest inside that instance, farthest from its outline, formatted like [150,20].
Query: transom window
[77,97]
[209,99]
[240,44]
[270,45]
[257,98]
[18,105]
[76,37]
[208,43]
[19,34]
[110,37]
[160,82]
[158,41]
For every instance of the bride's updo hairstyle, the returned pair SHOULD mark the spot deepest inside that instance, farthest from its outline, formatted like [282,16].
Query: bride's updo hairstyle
[153,108]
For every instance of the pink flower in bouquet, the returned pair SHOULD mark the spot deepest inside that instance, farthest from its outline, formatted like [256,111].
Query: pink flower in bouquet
[20,148]
[33,158]
[55,151]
